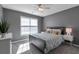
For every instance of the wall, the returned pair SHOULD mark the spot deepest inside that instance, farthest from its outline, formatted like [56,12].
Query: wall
[13,18]
[1,12]
[67,18]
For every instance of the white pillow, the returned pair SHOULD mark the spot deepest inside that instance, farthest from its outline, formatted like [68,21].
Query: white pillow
[56,31]
[49,30]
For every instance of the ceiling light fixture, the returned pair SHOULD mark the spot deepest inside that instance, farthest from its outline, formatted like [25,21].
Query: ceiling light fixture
[41,9]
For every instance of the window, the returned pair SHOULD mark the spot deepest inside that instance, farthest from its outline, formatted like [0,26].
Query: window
[29,25]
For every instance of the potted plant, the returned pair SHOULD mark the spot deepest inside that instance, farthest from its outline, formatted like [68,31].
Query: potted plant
[4,26]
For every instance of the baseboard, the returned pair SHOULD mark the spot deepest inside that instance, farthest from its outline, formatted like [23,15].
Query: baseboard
[75,45]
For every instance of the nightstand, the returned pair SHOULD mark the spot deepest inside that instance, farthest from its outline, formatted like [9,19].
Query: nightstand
[68,38]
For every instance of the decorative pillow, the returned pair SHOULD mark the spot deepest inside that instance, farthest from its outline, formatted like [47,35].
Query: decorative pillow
[56,31]
[48,30]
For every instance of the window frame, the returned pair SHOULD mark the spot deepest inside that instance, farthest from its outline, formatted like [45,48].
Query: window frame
[28,25]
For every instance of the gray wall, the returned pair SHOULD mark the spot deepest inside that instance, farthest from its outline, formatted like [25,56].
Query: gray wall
[67,18]
[13,18]
[1,12]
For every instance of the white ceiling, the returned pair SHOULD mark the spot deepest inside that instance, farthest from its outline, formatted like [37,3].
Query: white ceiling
[32,8]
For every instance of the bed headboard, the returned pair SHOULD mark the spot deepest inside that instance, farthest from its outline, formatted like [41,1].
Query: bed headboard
[61,28]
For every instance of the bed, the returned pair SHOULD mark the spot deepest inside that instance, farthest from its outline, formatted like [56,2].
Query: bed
[46,41]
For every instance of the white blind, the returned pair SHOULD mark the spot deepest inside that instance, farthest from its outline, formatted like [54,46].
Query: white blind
[29,25]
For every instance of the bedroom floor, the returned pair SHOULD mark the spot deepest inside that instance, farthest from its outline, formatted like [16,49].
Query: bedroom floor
[65,49]
[62,49]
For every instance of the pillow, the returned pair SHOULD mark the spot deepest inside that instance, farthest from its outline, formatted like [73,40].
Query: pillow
[48,30]
[56,31]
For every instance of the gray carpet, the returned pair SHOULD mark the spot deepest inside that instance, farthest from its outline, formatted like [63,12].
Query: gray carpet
[62,49]
[65,49]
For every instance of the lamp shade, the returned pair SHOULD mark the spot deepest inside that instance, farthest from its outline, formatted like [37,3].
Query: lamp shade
[68,30]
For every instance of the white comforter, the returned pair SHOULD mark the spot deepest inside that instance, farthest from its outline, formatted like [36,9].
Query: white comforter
[52,41]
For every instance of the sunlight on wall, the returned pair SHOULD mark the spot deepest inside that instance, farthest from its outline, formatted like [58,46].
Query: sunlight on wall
[23,47]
